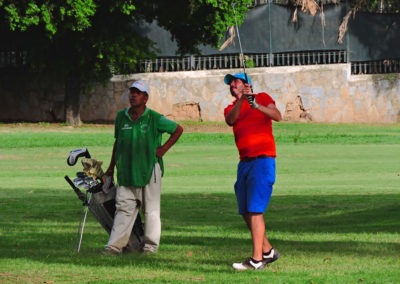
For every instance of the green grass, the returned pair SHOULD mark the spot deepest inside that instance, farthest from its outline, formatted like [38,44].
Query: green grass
[334,214]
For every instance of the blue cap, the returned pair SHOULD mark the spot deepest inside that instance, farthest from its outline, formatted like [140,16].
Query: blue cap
[241,76]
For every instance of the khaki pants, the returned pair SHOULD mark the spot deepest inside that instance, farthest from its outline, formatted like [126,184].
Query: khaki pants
[127,202]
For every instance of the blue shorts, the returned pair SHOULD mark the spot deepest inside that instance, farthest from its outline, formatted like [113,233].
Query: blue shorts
[254,183]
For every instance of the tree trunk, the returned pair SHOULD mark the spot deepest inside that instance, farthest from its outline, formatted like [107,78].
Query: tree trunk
[72,99]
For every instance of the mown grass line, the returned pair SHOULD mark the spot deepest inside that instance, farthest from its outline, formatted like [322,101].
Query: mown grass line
[284,133]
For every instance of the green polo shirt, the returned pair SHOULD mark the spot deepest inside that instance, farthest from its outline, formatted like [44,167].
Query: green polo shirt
[135,155]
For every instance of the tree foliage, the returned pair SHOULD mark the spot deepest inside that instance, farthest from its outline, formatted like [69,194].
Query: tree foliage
[86,41]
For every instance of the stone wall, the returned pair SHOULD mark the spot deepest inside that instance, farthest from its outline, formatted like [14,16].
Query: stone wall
[325,93]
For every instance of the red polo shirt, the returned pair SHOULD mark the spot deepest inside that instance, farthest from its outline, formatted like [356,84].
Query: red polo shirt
[253,129]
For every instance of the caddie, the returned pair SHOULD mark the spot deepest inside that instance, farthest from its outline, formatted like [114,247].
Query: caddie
[251,116]
[137,155]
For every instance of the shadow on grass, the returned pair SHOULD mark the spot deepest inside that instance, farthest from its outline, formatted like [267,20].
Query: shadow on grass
[371,213]
[208,224]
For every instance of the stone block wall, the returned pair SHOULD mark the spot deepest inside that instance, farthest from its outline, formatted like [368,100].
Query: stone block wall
[318,93]
[325,93]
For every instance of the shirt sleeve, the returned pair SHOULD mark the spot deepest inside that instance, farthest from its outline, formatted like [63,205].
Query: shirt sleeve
[266,99]
[166,125]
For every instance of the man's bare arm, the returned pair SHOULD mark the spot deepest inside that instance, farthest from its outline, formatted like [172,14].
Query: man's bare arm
[110,170]
[271,111]
[233,114]
[170,142]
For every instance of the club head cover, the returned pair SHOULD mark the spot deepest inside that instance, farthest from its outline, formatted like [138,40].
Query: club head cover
[76,154]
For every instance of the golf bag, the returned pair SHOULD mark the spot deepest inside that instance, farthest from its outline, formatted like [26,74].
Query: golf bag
[100,202]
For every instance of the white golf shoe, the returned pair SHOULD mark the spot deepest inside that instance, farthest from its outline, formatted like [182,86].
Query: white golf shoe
[249,264]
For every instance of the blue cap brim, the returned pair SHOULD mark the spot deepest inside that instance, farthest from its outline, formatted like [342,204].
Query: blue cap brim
[241,76]
[228,79]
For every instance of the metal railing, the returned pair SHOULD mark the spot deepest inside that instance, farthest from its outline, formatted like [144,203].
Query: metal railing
[287,2]
[310,57]
[11,58]
[230,61]
[375,67]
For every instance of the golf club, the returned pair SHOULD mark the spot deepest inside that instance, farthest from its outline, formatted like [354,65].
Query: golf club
[80,194]
[250,97]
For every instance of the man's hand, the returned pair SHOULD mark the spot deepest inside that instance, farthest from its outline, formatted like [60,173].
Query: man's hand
[247,89]
[251,99]
[107,182]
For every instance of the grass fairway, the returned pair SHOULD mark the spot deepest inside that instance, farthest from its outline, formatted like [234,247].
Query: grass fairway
[334,214]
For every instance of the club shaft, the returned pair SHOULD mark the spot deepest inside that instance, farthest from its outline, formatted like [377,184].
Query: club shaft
[240,43]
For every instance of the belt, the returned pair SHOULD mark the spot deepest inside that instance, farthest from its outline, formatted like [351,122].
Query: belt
[249,159]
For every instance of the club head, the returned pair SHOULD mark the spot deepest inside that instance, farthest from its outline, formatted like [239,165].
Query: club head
[81,174]
[85,186]
[93,183]
[234,5]
[79,182]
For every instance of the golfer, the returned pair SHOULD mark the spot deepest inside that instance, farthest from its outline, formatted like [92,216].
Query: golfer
[137,154]
[251,118]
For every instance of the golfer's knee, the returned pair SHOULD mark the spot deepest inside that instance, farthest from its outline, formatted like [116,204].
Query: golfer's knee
[126,208]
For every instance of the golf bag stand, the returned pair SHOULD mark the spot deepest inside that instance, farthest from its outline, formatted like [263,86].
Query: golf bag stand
[103,208]
[102,205]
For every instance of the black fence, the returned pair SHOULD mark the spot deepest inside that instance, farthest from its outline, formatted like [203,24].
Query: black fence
[12,58]
[376,67]
[212,62]
[230,61]
[288,2]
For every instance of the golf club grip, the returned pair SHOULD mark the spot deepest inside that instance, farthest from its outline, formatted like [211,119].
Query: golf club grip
[247,81]
[80,194]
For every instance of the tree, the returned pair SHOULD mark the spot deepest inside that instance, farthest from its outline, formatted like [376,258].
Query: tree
[86,41]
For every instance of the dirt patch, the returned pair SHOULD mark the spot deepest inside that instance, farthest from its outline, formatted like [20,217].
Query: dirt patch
[186,111]
[199,128]
[9,157]
[188,126]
